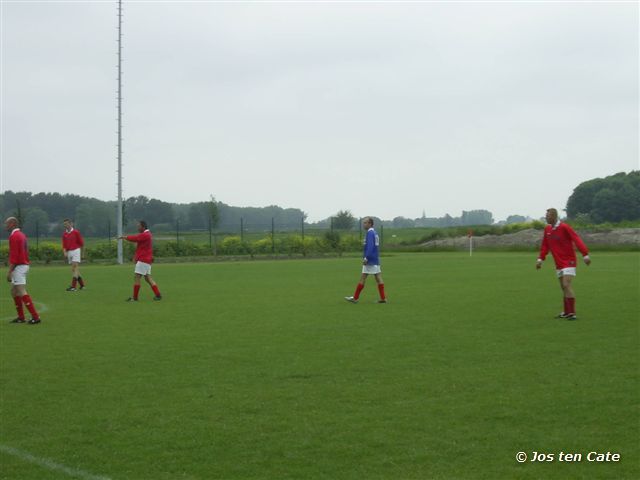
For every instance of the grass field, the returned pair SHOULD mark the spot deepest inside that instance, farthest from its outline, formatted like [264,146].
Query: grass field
[260,370]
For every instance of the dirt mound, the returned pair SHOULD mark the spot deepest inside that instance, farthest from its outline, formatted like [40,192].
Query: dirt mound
[531,238]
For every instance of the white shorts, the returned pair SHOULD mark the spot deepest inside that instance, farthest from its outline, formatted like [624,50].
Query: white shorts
[19,275]
[73,256]
[143,268]
[371,269]
[569,271]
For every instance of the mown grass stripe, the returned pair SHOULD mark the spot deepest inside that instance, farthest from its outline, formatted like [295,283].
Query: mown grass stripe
[50,464]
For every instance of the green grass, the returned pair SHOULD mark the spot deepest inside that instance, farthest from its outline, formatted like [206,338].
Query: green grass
[260,370]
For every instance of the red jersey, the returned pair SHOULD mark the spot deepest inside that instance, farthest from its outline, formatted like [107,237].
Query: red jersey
[18,248]
[72,239]
[144,250]
[559,239]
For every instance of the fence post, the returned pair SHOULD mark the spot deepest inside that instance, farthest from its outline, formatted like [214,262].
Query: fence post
[178,237]
[302,228]
[210,246]
[241,229]
[37,239]
[381,234]
[273,237]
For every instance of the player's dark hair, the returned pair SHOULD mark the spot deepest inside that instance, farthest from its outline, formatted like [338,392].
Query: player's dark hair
[143,224]
[68,220]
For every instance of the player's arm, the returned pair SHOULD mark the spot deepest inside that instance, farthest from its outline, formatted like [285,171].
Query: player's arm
[80,242]
[12,246]
[544,249]
[580,245]
[129,238]
[368,248]
[11,265]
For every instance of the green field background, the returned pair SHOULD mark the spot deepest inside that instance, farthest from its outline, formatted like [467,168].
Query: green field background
[261,370]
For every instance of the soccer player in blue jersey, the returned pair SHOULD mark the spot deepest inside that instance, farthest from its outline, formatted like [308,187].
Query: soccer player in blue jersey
[370,263]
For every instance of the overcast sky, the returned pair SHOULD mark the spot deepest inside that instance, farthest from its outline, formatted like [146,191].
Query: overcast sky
[383,108]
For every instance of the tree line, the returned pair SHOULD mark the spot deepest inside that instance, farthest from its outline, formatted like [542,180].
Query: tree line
[615,198]
[344,220]
[42,213]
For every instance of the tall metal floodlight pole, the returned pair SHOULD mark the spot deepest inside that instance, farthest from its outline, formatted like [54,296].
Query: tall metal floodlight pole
[119,212]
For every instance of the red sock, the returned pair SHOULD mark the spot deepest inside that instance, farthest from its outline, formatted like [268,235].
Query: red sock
[571,304]
[26,299]
[566,305]
[381,290]
[19,307]
[359,288]
[74,282]
[155,290]
[80,281]
[136,290]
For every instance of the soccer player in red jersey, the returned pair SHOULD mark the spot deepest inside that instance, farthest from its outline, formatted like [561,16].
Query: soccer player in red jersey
[143,259]
[72,243]
[559,239]
[18,269]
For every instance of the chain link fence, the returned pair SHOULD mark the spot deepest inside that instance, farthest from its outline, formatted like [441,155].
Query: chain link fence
[239,239]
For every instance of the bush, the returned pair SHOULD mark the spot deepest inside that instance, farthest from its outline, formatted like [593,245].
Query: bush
[264,245]
[350,244]
[102,251]
[47,251]
[165,249]
[331,241]
[296,244]
[233,246]
[183,249]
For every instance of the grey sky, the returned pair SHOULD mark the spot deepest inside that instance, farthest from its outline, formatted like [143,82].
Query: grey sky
[382,108]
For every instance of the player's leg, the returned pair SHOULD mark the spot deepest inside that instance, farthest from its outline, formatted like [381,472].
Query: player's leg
[569,296]
[380,282]
[154,286]
[74,275]
[17,300]
[75,257]
[26,300]
[20,284]
[359,288]
[136,287]
[565,307]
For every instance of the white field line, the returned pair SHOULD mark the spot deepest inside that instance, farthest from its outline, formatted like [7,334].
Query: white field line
[40,307]
[51,465]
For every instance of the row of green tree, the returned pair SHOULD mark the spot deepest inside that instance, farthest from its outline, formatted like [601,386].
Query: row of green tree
[611,199]
[344,220]
[42,214]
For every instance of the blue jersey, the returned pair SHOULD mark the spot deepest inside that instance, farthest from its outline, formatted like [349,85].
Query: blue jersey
[371,244]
